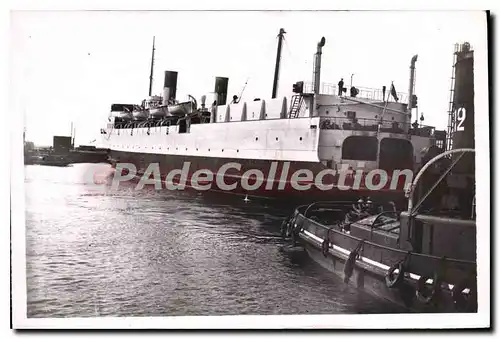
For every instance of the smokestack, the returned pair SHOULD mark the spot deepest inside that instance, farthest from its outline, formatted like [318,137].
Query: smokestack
[203,100]
[411,86]
[317,65]
[220,90]
[463,107]
[462,132]
[169,86]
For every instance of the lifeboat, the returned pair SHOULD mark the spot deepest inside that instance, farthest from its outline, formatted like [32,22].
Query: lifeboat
[158,112]
[139,113]
[122,111]
[183,108]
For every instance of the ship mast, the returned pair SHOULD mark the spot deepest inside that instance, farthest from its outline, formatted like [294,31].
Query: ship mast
[152,65]
[278,59]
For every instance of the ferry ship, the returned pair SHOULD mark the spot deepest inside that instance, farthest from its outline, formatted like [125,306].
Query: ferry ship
[356,131]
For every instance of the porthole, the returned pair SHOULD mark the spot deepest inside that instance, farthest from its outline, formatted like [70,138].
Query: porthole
[300,138]
[276,138]
[256,138]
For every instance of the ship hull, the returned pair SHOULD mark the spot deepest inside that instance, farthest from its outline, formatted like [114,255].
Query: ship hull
[370,280]
[368,271]
[275,184]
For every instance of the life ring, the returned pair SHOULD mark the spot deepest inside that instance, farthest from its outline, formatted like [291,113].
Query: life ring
[422,292]
[461,302]
[393,279]
[325,246]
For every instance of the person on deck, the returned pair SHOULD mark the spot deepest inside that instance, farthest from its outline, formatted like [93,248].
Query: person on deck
[341,86]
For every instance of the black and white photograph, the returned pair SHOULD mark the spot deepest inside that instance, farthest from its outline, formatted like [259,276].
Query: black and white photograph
[183,169]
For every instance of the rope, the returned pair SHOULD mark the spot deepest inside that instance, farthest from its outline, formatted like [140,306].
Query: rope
[292,57]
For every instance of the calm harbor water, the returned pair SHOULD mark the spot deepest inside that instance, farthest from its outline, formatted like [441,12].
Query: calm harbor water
[155,253]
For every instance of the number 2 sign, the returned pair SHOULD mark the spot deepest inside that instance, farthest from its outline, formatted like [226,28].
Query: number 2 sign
[461,114]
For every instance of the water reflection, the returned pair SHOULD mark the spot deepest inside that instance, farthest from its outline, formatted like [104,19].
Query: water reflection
[145,253]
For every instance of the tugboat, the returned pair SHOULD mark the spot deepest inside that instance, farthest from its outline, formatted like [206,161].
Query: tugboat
[422,258]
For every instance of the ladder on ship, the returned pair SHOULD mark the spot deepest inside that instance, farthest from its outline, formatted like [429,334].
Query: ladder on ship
[296,105]
[451,108]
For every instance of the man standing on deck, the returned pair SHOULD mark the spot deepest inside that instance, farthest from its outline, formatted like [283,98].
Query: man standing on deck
[341,86]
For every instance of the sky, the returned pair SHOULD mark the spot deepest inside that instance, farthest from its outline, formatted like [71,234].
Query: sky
[69,67]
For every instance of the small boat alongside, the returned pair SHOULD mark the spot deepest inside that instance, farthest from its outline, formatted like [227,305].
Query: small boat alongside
[423,259]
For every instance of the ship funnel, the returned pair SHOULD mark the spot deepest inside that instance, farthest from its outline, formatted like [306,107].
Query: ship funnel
[317,65]
[169,86]
[411,86]
[462,122]
[203,101]
[220,90]
[461,129]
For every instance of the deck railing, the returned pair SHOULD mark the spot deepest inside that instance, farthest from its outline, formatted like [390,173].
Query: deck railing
[372,125]
[364,92]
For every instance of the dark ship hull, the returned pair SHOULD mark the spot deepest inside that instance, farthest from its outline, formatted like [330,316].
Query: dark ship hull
[275,184]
